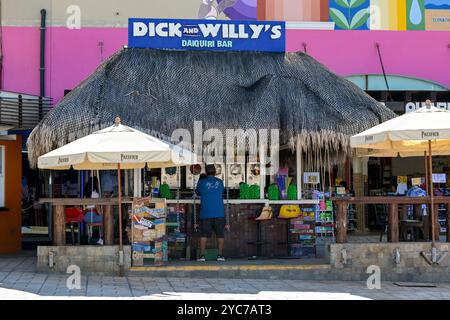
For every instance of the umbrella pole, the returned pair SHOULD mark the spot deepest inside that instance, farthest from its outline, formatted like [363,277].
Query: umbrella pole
[427,179]
[430,172]
[121,257]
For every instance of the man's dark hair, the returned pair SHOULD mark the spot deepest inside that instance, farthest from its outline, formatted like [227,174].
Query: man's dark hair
[202,176]
[210,170]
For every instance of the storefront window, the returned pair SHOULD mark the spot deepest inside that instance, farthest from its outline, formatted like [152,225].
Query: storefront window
[2,177]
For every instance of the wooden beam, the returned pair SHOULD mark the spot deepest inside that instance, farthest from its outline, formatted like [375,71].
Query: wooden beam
[84,202]
[59,225]
[387,200]
[393,232]
[108,224]
[262,171]
[437,227]
[299,169]
[341,222]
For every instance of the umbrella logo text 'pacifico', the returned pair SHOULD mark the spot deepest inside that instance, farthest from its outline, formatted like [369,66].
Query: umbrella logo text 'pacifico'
[128,157]
[430,134]
[63,160]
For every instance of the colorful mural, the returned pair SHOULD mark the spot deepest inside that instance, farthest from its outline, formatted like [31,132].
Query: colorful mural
[350,14]
[293,10]
[396,15]
[387,15]
[437,14]
[232,9]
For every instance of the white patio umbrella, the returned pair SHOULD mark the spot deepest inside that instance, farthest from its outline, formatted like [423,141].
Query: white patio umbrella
[115,148]
[412,134]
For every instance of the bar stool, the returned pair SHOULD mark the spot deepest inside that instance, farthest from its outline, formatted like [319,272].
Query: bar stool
[258,242]
[288,242]
[93,220]
[74,216]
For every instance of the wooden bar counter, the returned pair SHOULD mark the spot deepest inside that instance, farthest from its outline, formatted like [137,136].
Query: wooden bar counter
[393,215]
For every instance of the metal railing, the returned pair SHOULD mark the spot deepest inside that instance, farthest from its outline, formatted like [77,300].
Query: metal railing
[23,113]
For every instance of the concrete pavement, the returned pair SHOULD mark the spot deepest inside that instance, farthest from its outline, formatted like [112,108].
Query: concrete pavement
[18,280]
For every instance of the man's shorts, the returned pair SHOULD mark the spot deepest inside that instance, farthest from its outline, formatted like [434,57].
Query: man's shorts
[216,225]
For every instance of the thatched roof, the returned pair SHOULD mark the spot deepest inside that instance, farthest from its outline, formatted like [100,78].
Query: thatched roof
[159,91]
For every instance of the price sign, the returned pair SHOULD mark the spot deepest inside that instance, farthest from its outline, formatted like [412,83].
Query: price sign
[311,177]
[402,179]
[340,190]
[439,178]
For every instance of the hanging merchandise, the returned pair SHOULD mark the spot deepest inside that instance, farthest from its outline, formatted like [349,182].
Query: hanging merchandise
[244,191]
[236,175]
[282,179]
[274,192]
[292,192]
[165,191]
[255,192]
[253,173]
[171,176]
[193,174]
[266,214]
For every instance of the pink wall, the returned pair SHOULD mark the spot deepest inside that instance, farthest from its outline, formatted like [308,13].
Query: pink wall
[72,55]
[419,54]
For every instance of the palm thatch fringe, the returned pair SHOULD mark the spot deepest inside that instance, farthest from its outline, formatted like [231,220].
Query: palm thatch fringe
[160,91]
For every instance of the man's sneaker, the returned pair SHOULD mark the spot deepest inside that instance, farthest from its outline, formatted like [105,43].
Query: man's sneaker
[220,258]
[201,259]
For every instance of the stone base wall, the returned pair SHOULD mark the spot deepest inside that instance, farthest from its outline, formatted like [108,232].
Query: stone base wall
[98,259]
[412,266]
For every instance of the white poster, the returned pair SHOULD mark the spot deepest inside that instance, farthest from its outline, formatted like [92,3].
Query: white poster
[235,175]
[311,177]
[439,178]
[220,171]
[253,173]
[171,176]
[193,174]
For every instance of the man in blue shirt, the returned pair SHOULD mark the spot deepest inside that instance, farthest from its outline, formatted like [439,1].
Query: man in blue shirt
[212,212]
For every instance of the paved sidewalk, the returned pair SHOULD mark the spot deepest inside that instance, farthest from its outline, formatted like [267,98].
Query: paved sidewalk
[18,280]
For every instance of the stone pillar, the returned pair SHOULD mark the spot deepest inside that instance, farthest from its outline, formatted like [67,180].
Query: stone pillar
[360,168]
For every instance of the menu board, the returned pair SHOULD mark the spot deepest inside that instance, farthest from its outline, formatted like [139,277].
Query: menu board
[148,225]
[235,175]
[171,176]
[253,173]
[193,174]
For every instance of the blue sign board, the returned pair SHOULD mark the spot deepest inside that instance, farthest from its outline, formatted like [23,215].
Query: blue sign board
[213,35]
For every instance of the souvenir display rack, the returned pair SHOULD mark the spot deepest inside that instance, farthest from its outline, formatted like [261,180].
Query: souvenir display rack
[303,230]
[325,226]
[148,232]
[442,213]
[176,231]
